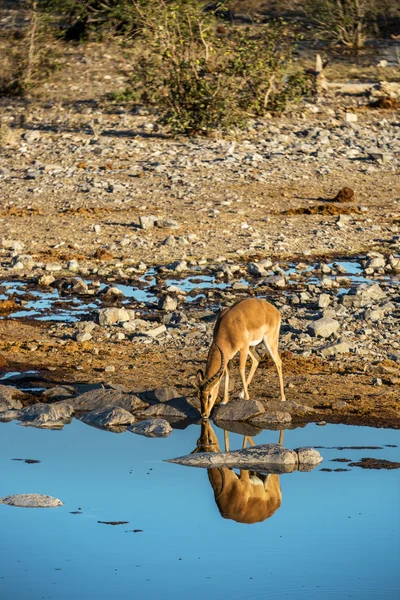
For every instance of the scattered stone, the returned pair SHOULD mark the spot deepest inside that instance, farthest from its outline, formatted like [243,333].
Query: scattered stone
[340,347]
[324,327]
[157,331]
[147,221]
[168,303]
[110,316]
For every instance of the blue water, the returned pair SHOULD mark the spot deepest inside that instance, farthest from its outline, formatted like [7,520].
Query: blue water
[336,535]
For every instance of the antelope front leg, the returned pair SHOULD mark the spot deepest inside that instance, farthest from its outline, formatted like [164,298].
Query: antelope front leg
[242,370]
[226,387]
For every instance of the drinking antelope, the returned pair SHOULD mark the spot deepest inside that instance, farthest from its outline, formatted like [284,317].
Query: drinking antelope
[249,497]
[238,328]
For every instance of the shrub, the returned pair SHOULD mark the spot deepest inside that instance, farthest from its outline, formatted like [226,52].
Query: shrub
[200,75]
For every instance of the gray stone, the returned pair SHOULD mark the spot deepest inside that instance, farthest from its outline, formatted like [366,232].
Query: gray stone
[340,347]
[52,267]
[60,392]
[162,394]
[256,269]
[110,316]
[276,281]
[373,315]
[105,399]
[324,327]
[85,336]
[32,136]
[147,221]
[9,415]
[269,417]
[238,410]
[108,418]
[178,408]
[9,398]
[324,300]
[168,303]
[158,428]
[153,333]
[308,456]
[271,457]
[47,416]
[112,292]
[31,501]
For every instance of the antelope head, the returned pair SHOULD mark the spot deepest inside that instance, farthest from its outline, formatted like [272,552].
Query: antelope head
[208,387]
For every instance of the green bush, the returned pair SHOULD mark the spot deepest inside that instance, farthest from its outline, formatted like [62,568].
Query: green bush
[200,75]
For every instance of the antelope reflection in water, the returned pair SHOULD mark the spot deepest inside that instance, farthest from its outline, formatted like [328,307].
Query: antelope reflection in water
[249,497]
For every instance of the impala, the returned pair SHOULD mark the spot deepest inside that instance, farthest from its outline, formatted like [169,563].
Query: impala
[239,328]
[249,497]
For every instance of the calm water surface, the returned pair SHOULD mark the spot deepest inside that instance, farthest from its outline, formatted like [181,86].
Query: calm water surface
[335,536]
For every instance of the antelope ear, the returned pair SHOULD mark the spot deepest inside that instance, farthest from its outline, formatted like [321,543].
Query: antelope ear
[200,376]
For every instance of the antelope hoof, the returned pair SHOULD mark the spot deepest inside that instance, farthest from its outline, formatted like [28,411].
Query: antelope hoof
[241,395]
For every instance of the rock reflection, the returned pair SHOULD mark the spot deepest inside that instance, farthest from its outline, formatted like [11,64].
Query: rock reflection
[247,497]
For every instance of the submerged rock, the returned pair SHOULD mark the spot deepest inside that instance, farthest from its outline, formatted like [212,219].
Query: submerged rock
[47,416]
[152,428]
[111,417]
[31,501]
[271,457]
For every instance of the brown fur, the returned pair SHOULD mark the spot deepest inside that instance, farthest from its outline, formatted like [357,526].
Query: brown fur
[240,497]
[236,330]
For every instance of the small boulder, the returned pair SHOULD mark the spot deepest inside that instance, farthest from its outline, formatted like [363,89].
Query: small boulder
[110,316]
[324,327]
[178,408]
[105,399]
[308,456]
[238,410]
[152,428]
[31,501]
[9,398]
[108,418]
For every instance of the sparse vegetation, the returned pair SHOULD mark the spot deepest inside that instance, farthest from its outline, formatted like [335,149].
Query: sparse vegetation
[30,55]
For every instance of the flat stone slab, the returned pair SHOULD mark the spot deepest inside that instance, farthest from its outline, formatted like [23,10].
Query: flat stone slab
[31,501]
[273,458]
[158,428]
